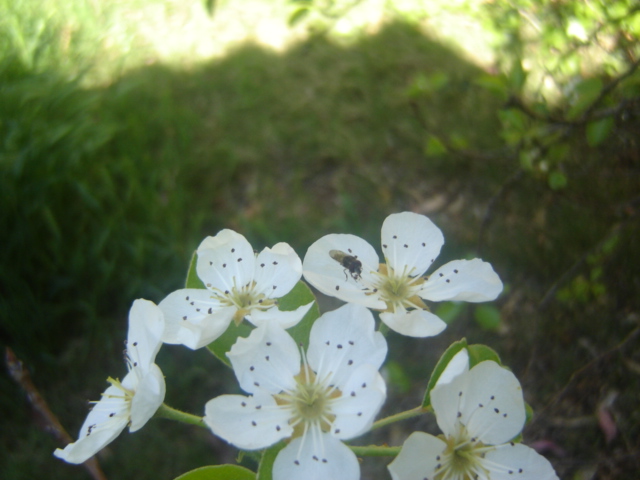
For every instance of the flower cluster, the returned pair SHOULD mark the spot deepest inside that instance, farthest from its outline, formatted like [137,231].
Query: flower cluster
[313,381]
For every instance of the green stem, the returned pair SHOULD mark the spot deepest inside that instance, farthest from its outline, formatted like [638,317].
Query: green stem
[375,451]
[414,412]
[165,411]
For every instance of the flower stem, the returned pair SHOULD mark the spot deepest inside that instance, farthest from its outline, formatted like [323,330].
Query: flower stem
[165,411]
[375,451]
[414,412]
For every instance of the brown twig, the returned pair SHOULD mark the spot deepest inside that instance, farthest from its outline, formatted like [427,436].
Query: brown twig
[21,375]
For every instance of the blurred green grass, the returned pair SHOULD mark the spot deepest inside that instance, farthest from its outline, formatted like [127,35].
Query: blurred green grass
[113,167]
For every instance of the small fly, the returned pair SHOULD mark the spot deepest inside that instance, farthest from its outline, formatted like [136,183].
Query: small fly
[349,262]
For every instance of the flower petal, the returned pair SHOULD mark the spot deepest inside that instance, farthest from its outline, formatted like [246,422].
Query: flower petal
[316,459]
[487,400]
[267,359]
[146,327]
[105,421]
[503,414]
[518,462]
[418,458]
[225,261]
[329,276]
[414,323]
[363,395]
[148,397]
[468,280]
[194,318]
[410,242]
[343,339]
[278,269]
[249,423]
[284,318]
[458,365]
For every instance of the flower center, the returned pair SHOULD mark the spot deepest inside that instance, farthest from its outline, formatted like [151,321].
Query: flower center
[310,403]
[245,299]
[126,393]
[399,291]
[463,458]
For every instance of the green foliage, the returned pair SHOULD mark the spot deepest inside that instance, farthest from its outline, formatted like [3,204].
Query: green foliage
[265,469]
[444,360]
[598,131]
[481,353]
[219,472]
[487,316]
[449,311]
[477,353]
[397,377]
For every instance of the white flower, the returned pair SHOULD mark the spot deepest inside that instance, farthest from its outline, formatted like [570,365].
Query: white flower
[347,267]
[331,394]
[239,284]
[130,402]
[479,412]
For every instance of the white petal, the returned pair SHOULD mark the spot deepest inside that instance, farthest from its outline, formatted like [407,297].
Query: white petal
[316,459]
[148,397]
[410,242]
[468,280]
[333,279]
[518,462]
[487,400]
[284,318]
[223,237]
[458,365]
[343,339]
[225,261]
[418,458]
[104,423]
[363,395]
[146,328]
[414,323]
[503,414]
[267,359]
[248,423]
[278,269]
[194,317]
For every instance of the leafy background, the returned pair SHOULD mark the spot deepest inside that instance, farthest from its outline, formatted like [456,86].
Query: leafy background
[129,130]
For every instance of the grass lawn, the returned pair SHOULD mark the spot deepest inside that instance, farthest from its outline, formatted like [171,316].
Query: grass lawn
[131,130]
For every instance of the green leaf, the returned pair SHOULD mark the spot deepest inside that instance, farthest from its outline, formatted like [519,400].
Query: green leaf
[210,7]
[480,353]
[446,357]
[298,296]
[193,281]
[219,472]
[494,84]
[598,131]
[557,180]
[297,16]
[434,147]
[586,92]
[487,316]
[265,469]
[224,342]
[449,311]
[517,77]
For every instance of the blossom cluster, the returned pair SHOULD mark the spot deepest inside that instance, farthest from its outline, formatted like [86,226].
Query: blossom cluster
[315,398]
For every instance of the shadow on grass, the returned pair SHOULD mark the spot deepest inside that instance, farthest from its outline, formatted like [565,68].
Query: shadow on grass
[106,193]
